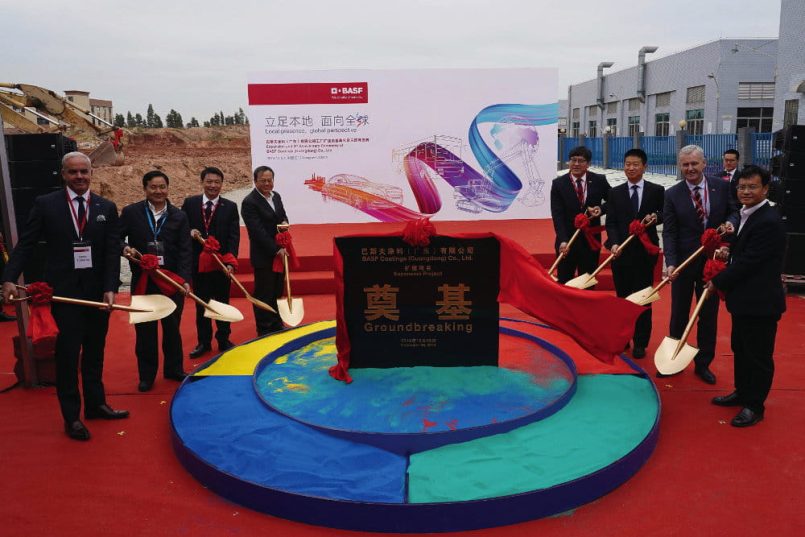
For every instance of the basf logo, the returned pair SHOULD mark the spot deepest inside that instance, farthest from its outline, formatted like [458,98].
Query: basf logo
[309,93]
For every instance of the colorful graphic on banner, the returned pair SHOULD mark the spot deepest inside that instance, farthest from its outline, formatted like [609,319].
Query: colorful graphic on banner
[333,140]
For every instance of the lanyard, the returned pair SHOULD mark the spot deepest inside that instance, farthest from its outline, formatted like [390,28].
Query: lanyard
[156,227]
[79,226]
[207,221]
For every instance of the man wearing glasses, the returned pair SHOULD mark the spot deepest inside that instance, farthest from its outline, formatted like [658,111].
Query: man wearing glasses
[754,296]
[578,192]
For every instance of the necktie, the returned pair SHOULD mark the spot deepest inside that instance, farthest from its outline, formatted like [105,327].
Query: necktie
[697,200]
[635,200]
[580,192]
[208,211]
[82,214]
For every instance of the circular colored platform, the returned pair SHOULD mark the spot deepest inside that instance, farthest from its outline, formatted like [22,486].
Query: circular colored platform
[412,409]
[239,447]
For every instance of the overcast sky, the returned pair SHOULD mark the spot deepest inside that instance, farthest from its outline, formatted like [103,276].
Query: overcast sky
[194,55]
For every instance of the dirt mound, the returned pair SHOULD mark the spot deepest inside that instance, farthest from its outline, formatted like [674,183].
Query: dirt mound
[181,154]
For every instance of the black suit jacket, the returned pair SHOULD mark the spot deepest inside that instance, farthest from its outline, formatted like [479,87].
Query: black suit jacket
[751,281]
[565,205]
[175,233]
[51,220]
[620,214]
[261,223]
[682,232]
[225,225]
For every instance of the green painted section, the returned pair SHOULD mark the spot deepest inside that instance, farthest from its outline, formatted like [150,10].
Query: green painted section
[606,419]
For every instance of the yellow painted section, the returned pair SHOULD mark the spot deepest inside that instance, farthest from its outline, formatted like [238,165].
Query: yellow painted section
[243,359]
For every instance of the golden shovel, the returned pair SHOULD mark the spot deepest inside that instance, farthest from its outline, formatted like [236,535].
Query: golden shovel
[256,301]
[212,309]
[674,355]
[143,308]
[588,280]
[291,310]
[646,296]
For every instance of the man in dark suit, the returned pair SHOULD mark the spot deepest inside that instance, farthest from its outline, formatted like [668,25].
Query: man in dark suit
[754,295]
[262,210]
[82,234]
[154,226]
[633,267]
[573,193]
[730,173]
[691,206]
[212,215]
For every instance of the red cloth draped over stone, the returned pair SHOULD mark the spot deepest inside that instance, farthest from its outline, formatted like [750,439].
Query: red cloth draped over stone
[582,222]
[42,329]
[600,323]
[284,240]
[637,229]
[206,259]
[149,263]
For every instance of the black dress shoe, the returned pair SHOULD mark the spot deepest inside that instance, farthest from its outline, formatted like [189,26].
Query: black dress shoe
[663,375]
[179,377]
[145,386]
[727,400]
[746,418]
[639,352]
[225,345]
[199,350]
[105,412]
[76,430]
[705,374]
[4,317]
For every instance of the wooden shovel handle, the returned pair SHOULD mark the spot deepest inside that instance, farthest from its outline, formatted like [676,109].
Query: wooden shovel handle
[287,280]
[564,254]
[174,283]
[705,294]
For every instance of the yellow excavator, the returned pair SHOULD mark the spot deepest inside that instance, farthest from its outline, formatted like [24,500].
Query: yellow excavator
[61,115]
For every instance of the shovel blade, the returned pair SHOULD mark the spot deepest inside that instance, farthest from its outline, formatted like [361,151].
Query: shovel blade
[669,364]
[160,306]
[291,315]
[223,312]
[582,282]
[644,297]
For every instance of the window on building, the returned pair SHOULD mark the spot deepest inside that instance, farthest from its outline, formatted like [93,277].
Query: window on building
[634,125]
[791,112]
[592,112]
[758,118]
[634,105]
[70,98]
[695,95]
[612,125]
[592,130]
[575,113]
[662,99]
[574,129]
[662,124]
[695,121]
[756,90]
[612,108]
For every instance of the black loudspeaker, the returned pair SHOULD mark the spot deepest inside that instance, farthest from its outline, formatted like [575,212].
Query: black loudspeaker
[791,200]
[35,173]
[789,165]
[35,146]
[791,138]
[794,263]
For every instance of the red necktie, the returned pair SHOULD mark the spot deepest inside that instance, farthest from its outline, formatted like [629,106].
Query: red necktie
[697,199]
[580,192]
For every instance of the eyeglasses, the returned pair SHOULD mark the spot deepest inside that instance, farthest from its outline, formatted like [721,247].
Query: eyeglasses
[749,187]
[578,160]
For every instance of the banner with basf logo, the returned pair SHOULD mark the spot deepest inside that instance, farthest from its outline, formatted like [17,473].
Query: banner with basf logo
[392,146]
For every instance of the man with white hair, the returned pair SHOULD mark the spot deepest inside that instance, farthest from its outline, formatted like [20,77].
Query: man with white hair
[691,206]
[83,240]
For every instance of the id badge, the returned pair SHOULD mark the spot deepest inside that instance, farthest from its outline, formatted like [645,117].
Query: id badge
[82,255]
[157,248]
